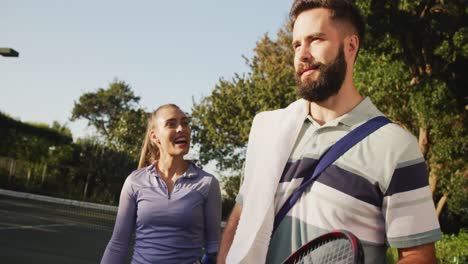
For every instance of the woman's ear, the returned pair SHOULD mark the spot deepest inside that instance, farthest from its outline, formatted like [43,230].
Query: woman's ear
[154,138]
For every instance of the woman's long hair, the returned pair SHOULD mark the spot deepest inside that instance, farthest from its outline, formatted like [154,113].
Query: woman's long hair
[149,150]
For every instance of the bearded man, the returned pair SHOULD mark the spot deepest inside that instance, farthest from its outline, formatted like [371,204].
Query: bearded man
[377,190]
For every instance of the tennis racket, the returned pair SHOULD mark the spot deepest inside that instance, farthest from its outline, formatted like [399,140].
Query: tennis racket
[337,247]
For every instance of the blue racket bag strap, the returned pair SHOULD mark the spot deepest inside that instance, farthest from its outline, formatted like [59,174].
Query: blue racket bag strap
[332,154]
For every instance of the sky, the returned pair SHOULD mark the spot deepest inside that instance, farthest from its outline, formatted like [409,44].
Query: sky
[168,51]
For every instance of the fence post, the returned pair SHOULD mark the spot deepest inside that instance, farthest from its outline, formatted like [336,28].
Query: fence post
[44,171]
[86,187]
[12,169]
[29,175]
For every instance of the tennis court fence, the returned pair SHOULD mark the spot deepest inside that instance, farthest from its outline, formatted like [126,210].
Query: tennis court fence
[56,180]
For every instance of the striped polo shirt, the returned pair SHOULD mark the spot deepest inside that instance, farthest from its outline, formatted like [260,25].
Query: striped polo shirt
[378,190]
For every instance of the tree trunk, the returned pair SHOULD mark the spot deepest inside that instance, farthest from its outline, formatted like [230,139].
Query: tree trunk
[423,146]
[433,182]
[28,177]
[423,140]
[44,171]
[85,191]
[441,204]
[12,170]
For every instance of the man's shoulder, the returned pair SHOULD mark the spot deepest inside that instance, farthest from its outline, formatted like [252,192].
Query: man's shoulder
[396,141]
[398,134]
[293,108]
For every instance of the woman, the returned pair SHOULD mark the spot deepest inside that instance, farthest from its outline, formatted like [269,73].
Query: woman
[173,206]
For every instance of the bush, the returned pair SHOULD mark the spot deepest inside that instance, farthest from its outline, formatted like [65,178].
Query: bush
[392,256]
[453,248]
[227,205]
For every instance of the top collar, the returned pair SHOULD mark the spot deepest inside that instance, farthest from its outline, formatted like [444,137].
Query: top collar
[191,171]
[362,112]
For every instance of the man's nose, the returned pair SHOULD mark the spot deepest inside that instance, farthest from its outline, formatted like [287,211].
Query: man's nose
[304,53]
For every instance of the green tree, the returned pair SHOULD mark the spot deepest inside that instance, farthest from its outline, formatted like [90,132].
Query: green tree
[413,66]
[130,131]
[104,108]
[87,170]
[102,170]
[30,141]
[115,114]
[230,185]
[221,121]
[61,128]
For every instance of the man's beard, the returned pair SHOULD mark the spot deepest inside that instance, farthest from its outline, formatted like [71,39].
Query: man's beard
[331,77]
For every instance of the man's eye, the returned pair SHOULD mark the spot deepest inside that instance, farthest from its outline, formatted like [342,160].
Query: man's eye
[316,39]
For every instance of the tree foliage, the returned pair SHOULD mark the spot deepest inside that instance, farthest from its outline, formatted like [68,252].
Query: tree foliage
[104,108]
[103,169]
[230,185]
[43,159]
[413,66]
[452,248]
[84,170]
[130,131]
[221,121]
[30,141]
[115,114]
[55,134]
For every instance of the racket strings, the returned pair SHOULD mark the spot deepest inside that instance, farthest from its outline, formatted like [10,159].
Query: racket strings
[337,251]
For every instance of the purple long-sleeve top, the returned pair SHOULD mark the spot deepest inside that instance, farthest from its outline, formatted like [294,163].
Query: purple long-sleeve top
[169,228]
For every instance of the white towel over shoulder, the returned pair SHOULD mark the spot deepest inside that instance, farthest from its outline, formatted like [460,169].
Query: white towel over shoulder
[271,140]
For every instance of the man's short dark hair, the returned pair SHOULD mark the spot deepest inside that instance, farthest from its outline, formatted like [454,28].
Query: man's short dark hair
[341,10]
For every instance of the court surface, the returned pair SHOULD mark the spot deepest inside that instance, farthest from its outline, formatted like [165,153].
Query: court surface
[40,232]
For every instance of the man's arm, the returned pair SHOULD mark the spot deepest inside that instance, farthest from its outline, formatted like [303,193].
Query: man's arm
[419,254]
[228,234]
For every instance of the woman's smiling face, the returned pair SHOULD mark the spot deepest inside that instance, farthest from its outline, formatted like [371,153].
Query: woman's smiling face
[171,132]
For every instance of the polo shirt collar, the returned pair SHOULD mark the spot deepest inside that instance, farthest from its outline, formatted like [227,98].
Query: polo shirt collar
[190,173]
[362,112]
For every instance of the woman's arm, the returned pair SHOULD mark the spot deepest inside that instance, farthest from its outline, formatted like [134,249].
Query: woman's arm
[117,249]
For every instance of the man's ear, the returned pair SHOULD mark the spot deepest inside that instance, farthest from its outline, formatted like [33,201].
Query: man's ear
[351,46]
